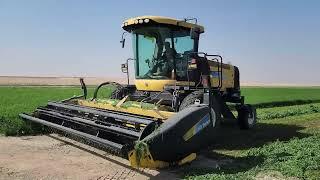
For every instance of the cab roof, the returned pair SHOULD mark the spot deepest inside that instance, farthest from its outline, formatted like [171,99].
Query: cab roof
[159,20]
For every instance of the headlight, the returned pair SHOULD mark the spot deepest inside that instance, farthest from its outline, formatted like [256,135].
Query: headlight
[146,20]
[136,21]
[140,21]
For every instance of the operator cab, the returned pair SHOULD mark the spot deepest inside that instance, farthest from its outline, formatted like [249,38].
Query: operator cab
[162,46]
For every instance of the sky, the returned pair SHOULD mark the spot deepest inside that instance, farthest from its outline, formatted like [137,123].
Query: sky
[274,41]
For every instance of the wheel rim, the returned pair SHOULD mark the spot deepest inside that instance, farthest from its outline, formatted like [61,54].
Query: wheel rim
[214,118]
[251,118]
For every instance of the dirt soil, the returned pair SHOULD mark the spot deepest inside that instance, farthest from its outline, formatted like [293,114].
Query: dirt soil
[56,157]
[54,81]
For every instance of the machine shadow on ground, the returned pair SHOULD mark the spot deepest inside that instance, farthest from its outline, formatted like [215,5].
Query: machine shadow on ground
[98,154]
[232,138]
[229,138]
[235,139]
[224,165]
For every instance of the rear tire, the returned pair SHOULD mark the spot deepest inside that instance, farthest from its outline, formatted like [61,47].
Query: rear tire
[247,116]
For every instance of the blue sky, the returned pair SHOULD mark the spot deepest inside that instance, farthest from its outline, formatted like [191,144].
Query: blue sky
[270,41]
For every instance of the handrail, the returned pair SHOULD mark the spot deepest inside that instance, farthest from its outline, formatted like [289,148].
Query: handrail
[217,59]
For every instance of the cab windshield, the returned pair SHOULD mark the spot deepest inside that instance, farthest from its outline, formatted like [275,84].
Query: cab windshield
[160,52]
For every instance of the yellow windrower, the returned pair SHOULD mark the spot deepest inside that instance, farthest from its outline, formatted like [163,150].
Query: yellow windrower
[174,108]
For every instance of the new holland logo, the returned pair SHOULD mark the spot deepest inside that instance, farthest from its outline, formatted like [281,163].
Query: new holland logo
[204,122]
[217,74]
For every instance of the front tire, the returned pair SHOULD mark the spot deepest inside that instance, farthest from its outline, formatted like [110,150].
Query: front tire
[247,116]
[119,93]
[190,99]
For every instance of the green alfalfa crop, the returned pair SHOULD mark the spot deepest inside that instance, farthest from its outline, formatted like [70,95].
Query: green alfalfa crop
[141,149]
[281,112]
[141,146]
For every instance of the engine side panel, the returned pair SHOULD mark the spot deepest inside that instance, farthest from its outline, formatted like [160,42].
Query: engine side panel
[152,84]
[228,76]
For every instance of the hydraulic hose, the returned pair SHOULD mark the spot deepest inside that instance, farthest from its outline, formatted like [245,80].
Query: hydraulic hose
[95,94]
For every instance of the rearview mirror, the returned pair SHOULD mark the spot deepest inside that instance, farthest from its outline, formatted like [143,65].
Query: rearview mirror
[194,32]
[123,39]
[124,68]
